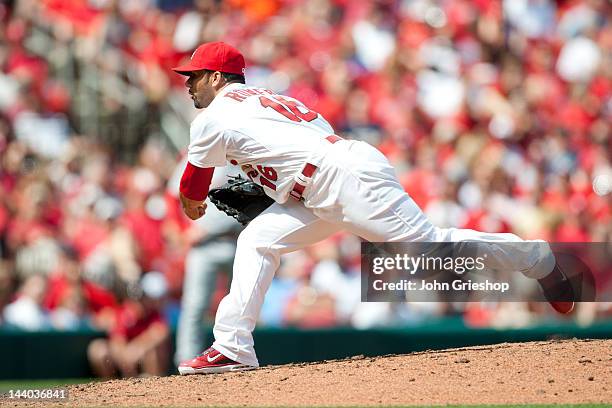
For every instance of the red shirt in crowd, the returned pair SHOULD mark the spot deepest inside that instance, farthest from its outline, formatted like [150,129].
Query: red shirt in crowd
[96,296]
[132,319]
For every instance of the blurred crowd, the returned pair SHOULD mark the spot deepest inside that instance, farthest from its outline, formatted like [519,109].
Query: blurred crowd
[496,114]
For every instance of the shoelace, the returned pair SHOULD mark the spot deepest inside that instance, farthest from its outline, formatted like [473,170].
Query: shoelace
[205,352]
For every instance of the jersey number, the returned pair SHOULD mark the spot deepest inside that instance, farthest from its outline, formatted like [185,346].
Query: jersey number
[289,109]
[267,176]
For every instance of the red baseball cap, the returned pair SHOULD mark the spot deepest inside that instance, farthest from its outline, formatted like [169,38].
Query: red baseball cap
[214,56]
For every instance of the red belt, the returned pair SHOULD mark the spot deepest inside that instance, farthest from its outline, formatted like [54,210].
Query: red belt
[308,171]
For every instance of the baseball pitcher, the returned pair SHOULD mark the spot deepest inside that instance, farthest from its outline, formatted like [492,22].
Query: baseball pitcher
[319,183]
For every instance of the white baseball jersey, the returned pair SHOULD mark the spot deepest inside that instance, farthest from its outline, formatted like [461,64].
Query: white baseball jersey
[274,134]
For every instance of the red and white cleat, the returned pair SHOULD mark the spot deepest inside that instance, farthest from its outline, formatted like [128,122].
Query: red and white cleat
[557,289]
[211,361]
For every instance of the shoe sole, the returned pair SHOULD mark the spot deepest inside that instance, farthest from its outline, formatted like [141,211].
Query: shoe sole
[215,370]
[564,310]
[556,305]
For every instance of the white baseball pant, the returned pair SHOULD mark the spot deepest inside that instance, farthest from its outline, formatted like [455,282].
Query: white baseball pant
[356,189]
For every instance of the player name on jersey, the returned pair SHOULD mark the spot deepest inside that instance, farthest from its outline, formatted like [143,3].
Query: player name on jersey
[241,94]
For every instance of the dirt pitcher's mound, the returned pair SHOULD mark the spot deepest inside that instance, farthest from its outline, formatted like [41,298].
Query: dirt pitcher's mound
[577,371]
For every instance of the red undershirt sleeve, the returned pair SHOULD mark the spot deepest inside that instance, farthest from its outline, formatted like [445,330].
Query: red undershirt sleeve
[195,182]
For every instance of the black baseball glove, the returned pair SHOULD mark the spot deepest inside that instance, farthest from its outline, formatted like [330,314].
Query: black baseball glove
[240,198]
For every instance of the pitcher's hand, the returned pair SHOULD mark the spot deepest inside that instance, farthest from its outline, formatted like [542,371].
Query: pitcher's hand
[192,208]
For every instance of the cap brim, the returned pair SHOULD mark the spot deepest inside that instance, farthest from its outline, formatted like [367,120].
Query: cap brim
[186,69]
